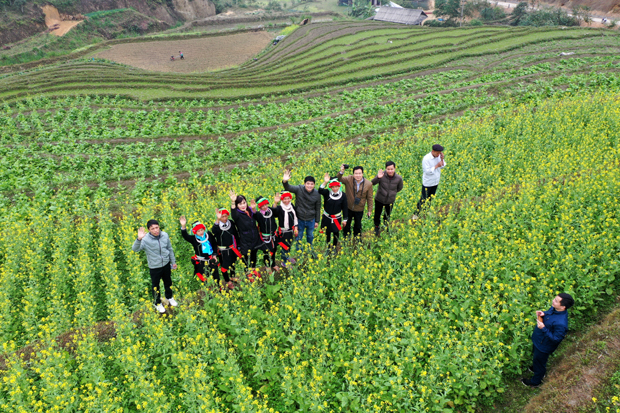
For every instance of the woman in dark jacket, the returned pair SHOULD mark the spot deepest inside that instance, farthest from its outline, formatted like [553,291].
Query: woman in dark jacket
[335,208]
[205,249]
[249,239]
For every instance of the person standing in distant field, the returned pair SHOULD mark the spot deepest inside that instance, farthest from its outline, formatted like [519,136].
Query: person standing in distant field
[550,330]
[359,194]
[181,55]
[307,206]
[160,257]
[432,164]
[390,184]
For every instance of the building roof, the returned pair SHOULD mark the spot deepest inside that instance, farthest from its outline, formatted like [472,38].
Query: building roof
[396,15]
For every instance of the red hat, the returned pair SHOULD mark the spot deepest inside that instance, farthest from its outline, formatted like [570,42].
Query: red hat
[197,226]
[262,201]
[286,194]
[224,211]
[333,183]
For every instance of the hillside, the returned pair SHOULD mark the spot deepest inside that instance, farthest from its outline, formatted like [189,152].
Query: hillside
[20,22]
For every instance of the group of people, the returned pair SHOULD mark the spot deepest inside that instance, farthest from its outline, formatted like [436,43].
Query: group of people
[246,229]
[240,232]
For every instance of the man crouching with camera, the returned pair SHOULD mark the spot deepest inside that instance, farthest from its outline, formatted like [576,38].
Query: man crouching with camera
[359,193]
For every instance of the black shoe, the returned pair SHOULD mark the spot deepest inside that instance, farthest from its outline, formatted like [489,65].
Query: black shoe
[530,369]
[377,231]
[528,383]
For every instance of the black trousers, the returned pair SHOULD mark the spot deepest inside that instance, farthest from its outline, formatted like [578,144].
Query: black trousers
[269,252]
[427,192]
[227,263]
[158,274]
[286,239]
[539,365]
[379,209]
[200,267]
[331,229]
[249,258]
[355,221]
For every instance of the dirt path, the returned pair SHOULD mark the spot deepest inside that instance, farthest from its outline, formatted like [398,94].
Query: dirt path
[200,55]
[53,20]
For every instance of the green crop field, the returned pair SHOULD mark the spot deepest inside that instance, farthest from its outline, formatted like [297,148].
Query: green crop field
[433,316]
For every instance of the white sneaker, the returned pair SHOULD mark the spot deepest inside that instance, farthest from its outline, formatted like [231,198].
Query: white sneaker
[414,217]
[160,308]
[173,302]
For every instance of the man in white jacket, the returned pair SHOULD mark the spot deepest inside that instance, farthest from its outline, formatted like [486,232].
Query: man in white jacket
[432,164]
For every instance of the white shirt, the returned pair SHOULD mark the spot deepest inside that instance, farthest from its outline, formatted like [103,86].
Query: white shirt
[431,174]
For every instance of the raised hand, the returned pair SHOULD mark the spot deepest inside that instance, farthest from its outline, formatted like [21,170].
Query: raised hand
[232,195]
[183,221]
[287,176]
[253,205]
[326,178]
[342,168]
[141,233]
[380,173]
[276,198]
[217,214]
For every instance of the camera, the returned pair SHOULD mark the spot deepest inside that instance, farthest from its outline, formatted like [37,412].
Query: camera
[346,165]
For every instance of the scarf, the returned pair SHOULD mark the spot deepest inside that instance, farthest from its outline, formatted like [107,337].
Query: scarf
[287,210]
[206,245]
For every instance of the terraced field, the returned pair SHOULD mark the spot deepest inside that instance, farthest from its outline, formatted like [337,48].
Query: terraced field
[91,150]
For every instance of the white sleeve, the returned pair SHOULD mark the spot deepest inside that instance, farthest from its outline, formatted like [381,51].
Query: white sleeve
[428,166]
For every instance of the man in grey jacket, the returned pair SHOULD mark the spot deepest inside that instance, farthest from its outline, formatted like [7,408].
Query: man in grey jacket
[160,257]
[307,206]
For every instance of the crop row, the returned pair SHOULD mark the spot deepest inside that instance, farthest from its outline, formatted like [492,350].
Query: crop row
[398,326]
[336,73]
[106,123]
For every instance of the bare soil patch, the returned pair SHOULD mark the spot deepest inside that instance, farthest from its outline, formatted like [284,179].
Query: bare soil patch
[55,23]
[200,55]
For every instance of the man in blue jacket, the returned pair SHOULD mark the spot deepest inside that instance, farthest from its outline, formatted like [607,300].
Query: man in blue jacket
[548,334]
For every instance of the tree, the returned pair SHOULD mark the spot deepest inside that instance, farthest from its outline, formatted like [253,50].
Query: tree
[453,9]
[518,13]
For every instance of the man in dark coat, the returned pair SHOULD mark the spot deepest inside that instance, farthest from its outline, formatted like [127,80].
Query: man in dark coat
[307,206]
[390,183]
[551,327]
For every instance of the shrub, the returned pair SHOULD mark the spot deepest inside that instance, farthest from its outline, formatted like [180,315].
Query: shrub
[548,17]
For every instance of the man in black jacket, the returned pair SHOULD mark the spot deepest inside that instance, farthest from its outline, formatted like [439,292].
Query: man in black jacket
[307,206]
